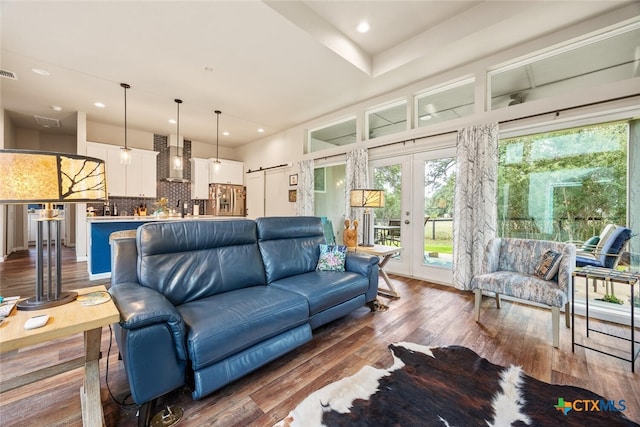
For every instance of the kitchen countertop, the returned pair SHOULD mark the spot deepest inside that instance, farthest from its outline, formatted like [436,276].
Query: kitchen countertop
[131,218]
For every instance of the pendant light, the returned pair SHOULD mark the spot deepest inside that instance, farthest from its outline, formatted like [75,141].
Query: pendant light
[177,159]
[216,162]
[125,152]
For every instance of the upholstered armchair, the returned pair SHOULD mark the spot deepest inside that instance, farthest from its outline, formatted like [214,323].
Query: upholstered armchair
[522,269]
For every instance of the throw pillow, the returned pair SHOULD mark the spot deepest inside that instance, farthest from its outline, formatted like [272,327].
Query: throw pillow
[549,264]
[332,258]
[590,245]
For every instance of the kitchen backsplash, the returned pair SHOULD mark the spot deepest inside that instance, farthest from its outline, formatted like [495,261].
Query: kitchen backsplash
[173,191]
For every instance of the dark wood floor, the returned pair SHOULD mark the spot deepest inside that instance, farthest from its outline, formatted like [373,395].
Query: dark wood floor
[427,314]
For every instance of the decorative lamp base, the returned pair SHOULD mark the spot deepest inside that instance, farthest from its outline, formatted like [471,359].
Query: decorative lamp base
[31,303]
[366,228]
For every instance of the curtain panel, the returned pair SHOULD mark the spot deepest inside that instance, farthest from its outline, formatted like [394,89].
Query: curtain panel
[305,194]
[475,200]
[357,176]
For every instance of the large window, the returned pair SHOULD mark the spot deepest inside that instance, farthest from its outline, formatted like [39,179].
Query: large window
[333,135]
[605,58]
[388,119]
[447,102]
[564,185]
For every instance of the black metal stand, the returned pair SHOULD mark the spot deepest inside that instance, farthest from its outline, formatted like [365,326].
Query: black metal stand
[607,275]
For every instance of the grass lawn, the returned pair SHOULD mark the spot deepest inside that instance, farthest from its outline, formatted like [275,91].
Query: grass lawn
[441,246]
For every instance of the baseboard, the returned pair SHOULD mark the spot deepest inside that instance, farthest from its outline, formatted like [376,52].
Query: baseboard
[100,276]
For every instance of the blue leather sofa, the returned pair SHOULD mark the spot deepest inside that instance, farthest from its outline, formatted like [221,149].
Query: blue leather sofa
[204,302]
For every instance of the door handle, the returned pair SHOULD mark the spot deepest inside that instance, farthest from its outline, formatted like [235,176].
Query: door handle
[406,221]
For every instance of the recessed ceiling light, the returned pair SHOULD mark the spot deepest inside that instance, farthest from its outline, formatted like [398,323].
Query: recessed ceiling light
[225,133]
[425,117]
[99,104]
[363,27]
[56,108]
[41,71]
[260,130]
[172,121]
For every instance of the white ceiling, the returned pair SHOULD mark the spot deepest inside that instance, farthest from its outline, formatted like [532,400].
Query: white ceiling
[275,64]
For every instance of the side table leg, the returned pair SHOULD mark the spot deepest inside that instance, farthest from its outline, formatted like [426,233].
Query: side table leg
[391,291]
[92,415]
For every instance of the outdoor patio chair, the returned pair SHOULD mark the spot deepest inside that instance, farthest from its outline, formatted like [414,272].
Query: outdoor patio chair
[604,250]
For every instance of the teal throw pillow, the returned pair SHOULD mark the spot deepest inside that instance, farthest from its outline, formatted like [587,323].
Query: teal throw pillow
[590,245]
[332,258]
[549,265]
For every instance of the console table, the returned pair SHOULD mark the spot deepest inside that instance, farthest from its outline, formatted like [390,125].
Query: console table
[386,252]
[65,320]
[609,276]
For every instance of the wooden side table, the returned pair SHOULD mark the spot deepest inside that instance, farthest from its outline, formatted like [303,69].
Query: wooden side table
[609,276]
[65,320]
[386,252]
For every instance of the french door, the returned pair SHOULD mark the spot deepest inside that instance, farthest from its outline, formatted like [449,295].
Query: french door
[418,212]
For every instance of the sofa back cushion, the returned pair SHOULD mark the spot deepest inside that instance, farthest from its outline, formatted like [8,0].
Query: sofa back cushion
[189,260]
[289,245]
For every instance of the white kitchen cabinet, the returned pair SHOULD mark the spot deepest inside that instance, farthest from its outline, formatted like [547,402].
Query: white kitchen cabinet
[227,172]
[137,179]
[200,178]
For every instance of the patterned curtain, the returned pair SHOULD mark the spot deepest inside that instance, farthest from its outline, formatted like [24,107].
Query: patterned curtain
[475,200]
[304,196]
[357,176]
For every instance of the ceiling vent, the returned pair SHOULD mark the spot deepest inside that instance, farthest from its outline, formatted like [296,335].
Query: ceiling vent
[8,74]
[47,122]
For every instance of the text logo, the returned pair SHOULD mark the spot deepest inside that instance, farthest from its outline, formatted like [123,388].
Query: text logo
[590,405]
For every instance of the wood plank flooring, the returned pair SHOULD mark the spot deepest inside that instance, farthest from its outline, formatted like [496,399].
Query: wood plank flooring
[427,314]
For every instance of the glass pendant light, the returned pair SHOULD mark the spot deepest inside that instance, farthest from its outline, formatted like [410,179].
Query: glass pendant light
[125,152]
[177,159]
[216,162]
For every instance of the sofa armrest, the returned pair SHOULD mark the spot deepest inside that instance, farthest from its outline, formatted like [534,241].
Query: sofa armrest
[140,306]
[367,265]
[567,265]
[491,260]
[360,263]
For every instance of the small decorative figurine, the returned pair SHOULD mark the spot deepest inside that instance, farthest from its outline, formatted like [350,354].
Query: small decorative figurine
[350,236]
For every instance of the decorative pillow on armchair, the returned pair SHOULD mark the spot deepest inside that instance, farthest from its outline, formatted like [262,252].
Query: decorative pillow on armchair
[332,258]
[549,265]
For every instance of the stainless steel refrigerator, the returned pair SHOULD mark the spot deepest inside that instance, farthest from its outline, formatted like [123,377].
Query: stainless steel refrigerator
[227,200]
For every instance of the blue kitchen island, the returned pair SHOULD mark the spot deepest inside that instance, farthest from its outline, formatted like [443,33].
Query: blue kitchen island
[101,227]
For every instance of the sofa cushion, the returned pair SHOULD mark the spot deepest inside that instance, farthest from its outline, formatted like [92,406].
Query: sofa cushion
[325,289]
[224,324]
[281,237]
[332,258]
[190,260]
[549,264]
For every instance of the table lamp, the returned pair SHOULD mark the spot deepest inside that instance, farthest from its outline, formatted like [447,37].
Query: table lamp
[366,198]
[46,177]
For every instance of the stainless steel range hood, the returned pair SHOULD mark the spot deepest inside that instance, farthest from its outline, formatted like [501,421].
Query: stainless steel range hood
[176,150]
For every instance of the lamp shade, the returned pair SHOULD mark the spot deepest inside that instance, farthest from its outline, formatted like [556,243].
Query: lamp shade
[46,177]
[366,198]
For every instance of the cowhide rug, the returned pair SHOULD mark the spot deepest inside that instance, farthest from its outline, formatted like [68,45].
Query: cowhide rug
[452,386]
